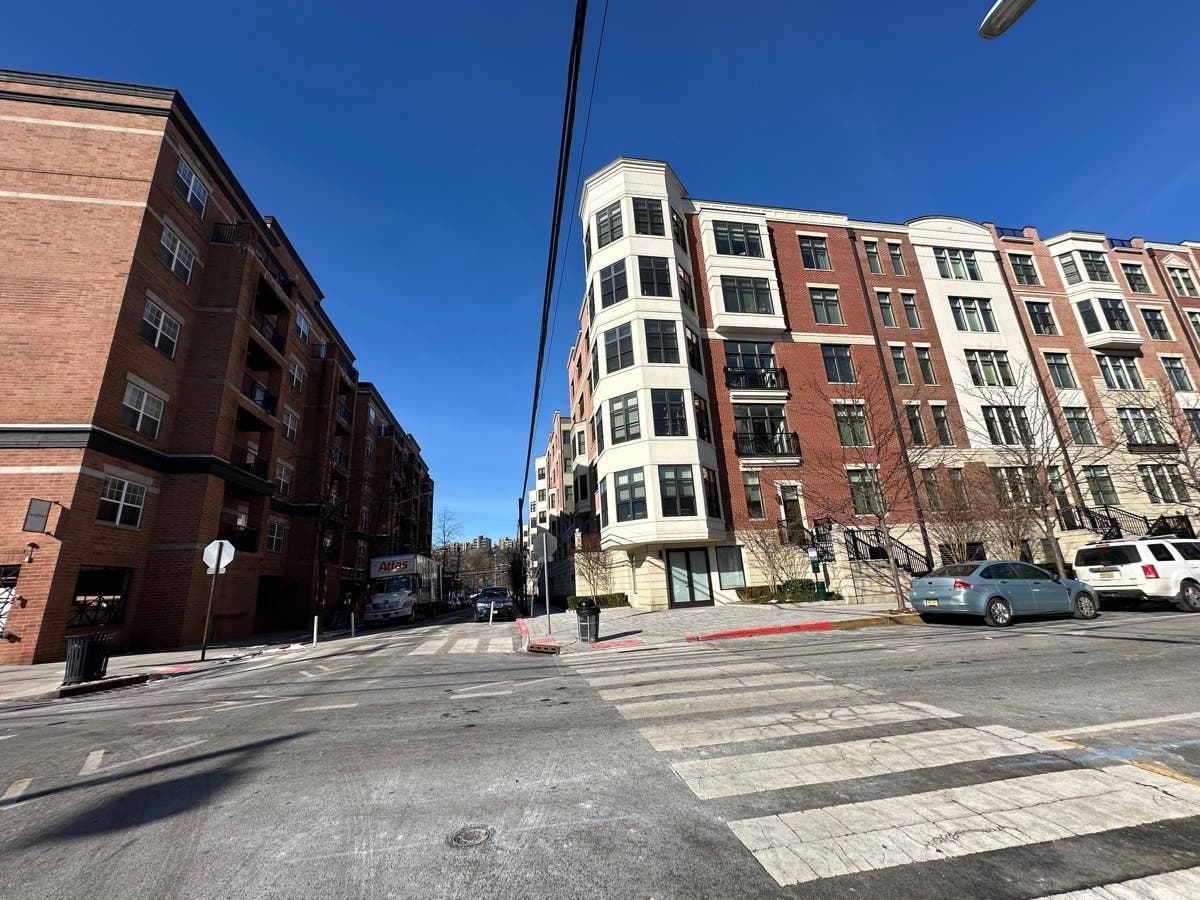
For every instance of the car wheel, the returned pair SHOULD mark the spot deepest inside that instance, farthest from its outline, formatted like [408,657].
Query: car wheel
[1189,597]
[998,613]
[1086,607]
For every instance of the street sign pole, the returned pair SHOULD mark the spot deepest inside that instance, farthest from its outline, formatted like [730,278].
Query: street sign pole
[211,590]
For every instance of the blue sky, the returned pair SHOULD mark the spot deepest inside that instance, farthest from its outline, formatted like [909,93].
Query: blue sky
[409,151]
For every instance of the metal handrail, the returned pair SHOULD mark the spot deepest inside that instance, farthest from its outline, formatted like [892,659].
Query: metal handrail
[259,395]
[756,379]
[784,443]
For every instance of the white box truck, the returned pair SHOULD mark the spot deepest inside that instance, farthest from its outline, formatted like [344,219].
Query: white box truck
[402,588]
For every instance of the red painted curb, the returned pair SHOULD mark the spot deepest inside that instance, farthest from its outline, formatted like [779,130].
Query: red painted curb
[522,627]
[606,645]
[754,632]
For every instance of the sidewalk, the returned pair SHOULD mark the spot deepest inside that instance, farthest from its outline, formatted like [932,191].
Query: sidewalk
[628,627]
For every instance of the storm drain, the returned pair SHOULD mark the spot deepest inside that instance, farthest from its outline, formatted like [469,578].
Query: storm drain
[471,836]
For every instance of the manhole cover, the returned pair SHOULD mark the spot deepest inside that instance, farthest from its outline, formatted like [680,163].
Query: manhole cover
[471,836]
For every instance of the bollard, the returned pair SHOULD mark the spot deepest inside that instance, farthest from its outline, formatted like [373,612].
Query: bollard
[351,623]
[315,620]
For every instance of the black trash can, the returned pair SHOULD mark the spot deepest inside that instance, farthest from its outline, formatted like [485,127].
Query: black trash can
[87,657]
[588,611]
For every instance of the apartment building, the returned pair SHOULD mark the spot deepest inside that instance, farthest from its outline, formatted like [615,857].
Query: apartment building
[174,378]
[751,377]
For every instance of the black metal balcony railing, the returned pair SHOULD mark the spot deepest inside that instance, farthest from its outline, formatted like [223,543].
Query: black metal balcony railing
[782,444]
[339,458]
[757,379]
[267,329]
[331,351]
[245,458]
[240,234]
[384,430]
[242,538]
[343,411]
[1152,447]
[258,393]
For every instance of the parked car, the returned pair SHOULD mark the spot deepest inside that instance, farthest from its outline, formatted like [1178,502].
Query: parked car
[495,603]
[999,590]
[1152,568]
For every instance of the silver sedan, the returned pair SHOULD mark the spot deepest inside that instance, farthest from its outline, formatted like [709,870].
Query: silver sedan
[1000,590]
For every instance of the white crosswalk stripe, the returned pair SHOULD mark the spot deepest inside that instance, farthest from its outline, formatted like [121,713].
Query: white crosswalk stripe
[720,702]
[598,681]
[464,645]
[1182,884]
[428,648]
[696,685]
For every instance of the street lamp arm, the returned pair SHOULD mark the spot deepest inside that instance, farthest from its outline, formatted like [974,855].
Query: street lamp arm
[1001,17]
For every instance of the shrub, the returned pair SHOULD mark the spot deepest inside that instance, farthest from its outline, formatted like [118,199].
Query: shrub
[605,601]
[754,594]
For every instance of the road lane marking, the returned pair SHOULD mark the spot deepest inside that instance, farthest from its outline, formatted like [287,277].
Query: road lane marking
[92,763]
[465,645]
[787,724]
[328,706]
[325,668]
[806,846]
[307,674]
[721,702]
[481,694]
[428,648]
[155,755]
[1120,726]
[15,790]
[635,678]
[696,685]
[774,770]
[1180,883]
[173,721]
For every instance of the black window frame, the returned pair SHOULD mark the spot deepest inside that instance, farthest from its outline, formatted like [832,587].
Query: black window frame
[614,284]
[648,216]
[654,276]
[662,341]
[610,225]
[668,410]
[729,236]
[677,491]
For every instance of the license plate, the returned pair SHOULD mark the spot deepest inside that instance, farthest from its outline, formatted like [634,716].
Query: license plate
[1107,574]
[931,602]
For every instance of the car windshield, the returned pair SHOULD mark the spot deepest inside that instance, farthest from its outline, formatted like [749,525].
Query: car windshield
[494,594]
[394,585]
[957,570]
[1107,556]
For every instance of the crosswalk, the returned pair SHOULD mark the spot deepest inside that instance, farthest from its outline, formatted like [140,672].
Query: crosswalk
[448,644]
[819,780]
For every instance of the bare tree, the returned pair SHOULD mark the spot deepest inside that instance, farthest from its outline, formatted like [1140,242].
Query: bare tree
[780,560]
[957,499]
[594,563]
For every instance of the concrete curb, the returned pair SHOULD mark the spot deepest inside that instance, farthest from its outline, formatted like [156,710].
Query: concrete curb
[824,625]
[108,684]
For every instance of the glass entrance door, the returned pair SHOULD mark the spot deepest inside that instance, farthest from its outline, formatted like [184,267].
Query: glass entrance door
[688,578]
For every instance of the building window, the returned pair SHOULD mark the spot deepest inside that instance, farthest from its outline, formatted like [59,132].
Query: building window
[1080,426]
[302,326]
[1120,372]
[669,411]
[729,568]
[825,306]
[291,424]
[1140,426]
[1176,373]
[851,421]
[692,343]
[655,275]
[598,429]
[648,216]
[630,487]
[712,495]
[897,260]
[685,288]
[1156,325]
[1006,425]
[618,348]
[1136,278]
[700,410]
[608,225]
[283,478]
[873,262]
[121,502]
[1060,371]
[614,286]
[910,310]
[886,314]
[141,411]
[176,255]
[941,424]
[1100,485]
[916,425]
[750,356]
[1070,268]
[662,345]
[1163,484]
[1015,483]
[746,295]
[677,490]
[1115,314]
[190,187]
[972,314]
[957,264]
[760,429]
[678,230]
[1095,265]
[587,246]
[369,449]
[602,489]
[753,492]
[815,253]
[839,368]
[925,361]
[160,328]
[933,491]
[737,239]
[864,492]
[900,364]
[1022,265]
[1182,279]
[295,373]
[1087,314]
[541,495]
[623,418]
[1194,318]
[1040,317]
[275,532]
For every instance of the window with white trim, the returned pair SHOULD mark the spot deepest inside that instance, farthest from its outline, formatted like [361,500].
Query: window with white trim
[121,502]
[1177,373]
[648,216]
[737,239]
[609,227]
[885,309]
[815,253]
[190,187]
[275,533]
[1079,424]
[873,263]
[957,264]
[989,368]
[973,314]
[302,326]
[1040,317]
[826,309]
[295,373]
[291,424]
[160,328]
[941,423]
[141,410]
[1156,323]
[176,255]
[1163,483]
[1136,278]
[677,490]
[1119,372]
[1182,279]
[1023,269]
[865,493]
[283,478]
[1095,265]
[1006,425]
[897,260]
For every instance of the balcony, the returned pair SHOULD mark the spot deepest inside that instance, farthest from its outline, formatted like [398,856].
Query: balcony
[241,235]
[1011,232]
[340,459]
[331,351]
[242,538]
[267,329]
[1163,448]
[385,431]
[783,444]
[343,411]
[1112,339]
[1117,243]
[756,379]
[259,395]
[249,461]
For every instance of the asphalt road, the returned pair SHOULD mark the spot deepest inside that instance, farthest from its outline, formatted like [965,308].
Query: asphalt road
[430,763]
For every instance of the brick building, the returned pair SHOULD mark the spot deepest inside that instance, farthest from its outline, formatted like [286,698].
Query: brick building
[748,378]
[173,378]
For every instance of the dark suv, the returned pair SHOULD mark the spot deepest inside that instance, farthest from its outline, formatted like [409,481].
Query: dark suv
[495,603]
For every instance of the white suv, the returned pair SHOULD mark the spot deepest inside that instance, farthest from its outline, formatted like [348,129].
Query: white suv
[1157,568]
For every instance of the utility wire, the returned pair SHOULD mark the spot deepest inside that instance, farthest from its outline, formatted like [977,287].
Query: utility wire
[560,187]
